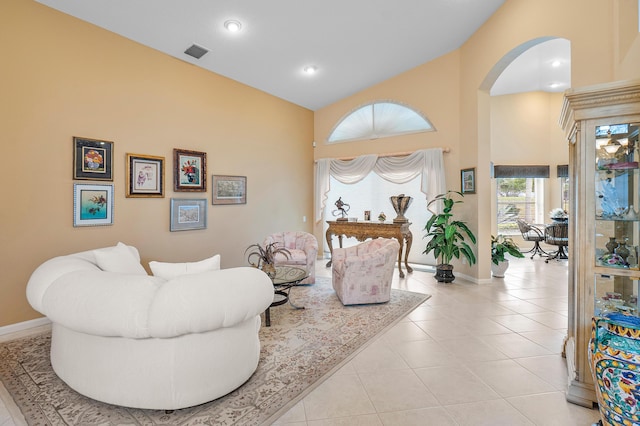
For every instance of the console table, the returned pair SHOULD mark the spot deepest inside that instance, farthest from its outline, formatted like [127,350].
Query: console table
[367,229]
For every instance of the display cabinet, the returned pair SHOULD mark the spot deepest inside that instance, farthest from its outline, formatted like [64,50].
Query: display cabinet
[601,123]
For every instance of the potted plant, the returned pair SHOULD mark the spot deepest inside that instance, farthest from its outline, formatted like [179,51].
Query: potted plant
[500,246]
[447,237]
[558,215]
[263,257]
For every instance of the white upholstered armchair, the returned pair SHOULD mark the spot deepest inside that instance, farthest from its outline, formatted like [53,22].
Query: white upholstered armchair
[303,248]
[363,273]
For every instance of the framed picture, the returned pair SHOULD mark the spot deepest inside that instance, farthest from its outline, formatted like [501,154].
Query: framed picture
[190,170]
[92,159]
[145,176]
[229,189]
[468,181]
[92,205]
[188,214]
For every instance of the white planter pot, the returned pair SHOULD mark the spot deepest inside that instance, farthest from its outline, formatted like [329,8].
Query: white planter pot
[499,269]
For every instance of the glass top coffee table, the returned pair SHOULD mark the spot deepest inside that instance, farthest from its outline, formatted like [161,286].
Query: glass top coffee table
[285,278]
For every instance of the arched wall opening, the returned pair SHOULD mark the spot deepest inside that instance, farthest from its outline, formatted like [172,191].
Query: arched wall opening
[521,129]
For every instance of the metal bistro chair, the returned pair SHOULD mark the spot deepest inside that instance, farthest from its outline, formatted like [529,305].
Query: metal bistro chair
[533,234]
[557,234]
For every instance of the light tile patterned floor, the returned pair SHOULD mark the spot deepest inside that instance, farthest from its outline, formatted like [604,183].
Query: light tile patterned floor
[485,354]
[473,354]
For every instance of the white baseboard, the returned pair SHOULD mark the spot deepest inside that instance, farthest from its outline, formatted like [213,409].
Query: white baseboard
[21,326]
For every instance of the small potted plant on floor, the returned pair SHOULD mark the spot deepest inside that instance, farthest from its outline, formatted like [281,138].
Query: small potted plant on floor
[447,238]
[500,246]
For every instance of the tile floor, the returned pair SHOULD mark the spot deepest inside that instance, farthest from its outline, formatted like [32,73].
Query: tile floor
[486,354]
[473,354]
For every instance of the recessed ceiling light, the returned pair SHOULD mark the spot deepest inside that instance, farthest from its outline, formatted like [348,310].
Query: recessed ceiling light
[233,26]
[556,63]
[554,85]
[311,69]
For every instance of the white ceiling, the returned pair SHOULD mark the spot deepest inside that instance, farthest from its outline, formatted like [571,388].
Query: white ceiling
[353,43]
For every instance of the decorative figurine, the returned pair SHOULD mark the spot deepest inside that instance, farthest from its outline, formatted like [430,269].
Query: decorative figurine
[342,209]
[382,217]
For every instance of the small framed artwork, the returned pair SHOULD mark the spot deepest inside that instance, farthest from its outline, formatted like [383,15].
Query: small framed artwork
[229,189]
[92,159]
[468,181]
[145,176]
[92,205]
[190,170]
[188,213]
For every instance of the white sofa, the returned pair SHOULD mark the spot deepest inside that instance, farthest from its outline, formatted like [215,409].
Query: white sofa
[127,338]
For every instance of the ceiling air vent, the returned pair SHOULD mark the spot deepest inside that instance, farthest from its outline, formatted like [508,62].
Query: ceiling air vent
[196,51]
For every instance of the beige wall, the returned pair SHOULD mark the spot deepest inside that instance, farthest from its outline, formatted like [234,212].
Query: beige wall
[61,77]
[459,82]
[431,88]
[525,131]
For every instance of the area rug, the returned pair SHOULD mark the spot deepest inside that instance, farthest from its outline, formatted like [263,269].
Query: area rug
[300,349]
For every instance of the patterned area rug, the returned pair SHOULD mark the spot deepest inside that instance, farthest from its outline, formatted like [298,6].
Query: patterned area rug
[300,349]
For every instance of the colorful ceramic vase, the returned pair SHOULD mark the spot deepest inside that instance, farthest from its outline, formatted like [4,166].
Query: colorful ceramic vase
[614,358]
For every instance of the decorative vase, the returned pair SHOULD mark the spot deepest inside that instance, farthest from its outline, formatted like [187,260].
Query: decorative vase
[632,259]
[611,245]
[499,269]
[444,273]
[614,358]
[400,204]
[622,251]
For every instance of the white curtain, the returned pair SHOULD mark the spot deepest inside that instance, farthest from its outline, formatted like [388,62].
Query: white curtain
[428,163]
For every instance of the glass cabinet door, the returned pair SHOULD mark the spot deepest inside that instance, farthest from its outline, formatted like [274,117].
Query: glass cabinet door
[616,293]
[617,217]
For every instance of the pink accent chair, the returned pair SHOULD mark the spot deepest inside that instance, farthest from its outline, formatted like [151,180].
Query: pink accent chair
[363,273]
[304,250]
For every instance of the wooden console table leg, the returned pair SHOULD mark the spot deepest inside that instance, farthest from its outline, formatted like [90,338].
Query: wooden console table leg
[401,241]
[409,239]
[400,262]
[330,244]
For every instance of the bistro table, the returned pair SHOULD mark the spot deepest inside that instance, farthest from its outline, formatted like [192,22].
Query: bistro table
[284,278]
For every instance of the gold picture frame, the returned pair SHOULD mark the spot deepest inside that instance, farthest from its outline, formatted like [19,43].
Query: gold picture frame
[145,176]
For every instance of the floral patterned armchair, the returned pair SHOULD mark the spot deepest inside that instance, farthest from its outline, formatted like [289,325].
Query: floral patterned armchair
[363,273]
[303,248]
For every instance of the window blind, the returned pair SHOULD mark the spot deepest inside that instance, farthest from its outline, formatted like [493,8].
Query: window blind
[563,170]
[521,171]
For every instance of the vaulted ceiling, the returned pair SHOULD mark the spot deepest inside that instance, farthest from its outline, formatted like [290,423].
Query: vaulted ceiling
[352,44]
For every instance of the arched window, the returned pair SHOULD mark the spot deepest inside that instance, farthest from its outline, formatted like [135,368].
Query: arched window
[379,119]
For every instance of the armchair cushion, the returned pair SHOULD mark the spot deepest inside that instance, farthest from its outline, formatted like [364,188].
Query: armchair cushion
[363,273]
[120,258]
[303,248]
[172,270]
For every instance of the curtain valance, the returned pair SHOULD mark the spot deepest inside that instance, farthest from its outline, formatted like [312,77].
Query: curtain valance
[428,163]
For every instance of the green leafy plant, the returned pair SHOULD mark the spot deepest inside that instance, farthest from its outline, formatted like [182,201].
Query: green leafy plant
[447,236]
[261,255]
[502,245]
